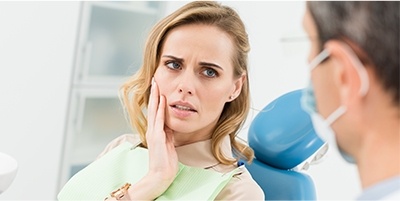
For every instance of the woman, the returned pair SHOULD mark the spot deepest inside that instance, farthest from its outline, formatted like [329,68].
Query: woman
[194,85]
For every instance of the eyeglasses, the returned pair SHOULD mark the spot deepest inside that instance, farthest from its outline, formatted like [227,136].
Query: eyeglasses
[293,46]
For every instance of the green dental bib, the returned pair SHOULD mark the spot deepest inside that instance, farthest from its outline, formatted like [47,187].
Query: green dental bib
[125,164]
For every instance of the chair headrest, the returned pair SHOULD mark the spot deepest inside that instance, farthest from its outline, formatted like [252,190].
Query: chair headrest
[282,134]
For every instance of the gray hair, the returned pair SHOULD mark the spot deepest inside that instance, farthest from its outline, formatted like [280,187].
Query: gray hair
[373,26]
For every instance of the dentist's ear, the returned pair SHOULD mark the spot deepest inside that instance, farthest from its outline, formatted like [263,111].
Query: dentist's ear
[350,75]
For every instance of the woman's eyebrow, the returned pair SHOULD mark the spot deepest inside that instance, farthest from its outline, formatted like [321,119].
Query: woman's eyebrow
[180,60]
[210,64]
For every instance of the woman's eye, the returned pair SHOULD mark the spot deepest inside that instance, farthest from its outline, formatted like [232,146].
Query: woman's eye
[173,65]
[209,72]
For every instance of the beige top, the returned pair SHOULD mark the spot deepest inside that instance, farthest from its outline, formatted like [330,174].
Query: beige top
[198,154]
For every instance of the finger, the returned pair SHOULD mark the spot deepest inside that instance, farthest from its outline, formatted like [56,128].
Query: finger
[170,135]
[153,104]
[160,116]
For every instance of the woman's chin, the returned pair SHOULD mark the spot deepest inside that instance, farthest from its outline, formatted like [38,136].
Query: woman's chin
[179,127]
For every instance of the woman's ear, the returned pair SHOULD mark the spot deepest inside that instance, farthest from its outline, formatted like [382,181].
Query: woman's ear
[347,76]
[237,87]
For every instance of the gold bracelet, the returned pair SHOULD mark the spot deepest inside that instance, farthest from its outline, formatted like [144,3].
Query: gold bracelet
[120,193]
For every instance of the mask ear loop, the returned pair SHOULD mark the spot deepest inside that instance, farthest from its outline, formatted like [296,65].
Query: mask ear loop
[318,59]
[336,114]
[363,78]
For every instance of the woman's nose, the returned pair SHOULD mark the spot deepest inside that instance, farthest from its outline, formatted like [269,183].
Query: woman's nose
[184,91]
[186,83]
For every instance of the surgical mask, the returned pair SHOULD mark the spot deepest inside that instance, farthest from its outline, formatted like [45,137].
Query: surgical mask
[323,126]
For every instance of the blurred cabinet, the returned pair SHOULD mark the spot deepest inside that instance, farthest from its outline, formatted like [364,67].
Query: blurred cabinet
[109,48]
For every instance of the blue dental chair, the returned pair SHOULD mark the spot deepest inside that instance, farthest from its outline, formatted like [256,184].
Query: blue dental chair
[285,144]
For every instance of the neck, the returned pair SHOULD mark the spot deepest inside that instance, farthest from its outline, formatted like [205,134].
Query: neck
[379,156]
[184,138]
[181,139]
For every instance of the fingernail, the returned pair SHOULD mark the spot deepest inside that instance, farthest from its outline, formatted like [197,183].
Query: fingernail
[152,81]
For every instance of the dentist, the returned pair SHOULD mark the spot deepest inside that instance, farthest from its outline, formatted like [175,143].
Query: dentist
[353,96]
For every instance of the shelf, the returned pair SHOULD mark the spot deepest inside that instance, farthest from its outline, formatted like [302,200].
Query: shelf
[101,121]
[109,82]
[113,39]
[109,51]
[148,7]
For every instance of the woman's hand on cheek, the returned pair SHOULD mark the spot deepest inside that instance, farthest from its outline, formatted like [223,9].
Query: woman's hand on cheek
[163,159]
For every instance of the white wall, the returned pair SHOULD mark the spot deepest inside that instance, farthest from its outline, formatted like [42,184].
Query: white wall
[37,46]
[37,42]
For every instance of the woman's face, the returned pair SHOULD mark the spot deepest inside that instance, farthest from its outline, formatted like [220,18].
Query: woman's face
[195,74]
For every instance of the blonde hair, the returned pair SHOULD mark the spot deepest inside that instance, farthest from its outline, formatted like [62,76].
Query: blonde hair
[135,92]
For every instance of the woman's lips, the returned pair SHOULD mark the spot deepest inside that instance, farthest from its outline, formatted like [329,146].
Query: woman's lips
[182,110]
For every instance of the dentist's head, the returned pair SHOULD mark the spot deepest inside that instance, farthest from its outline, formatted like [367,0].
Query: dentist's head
[353,96]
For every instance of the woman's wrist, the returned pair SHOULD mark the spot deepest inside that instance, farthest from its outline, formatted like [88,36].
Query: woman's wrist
[149,187]
[120,193]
